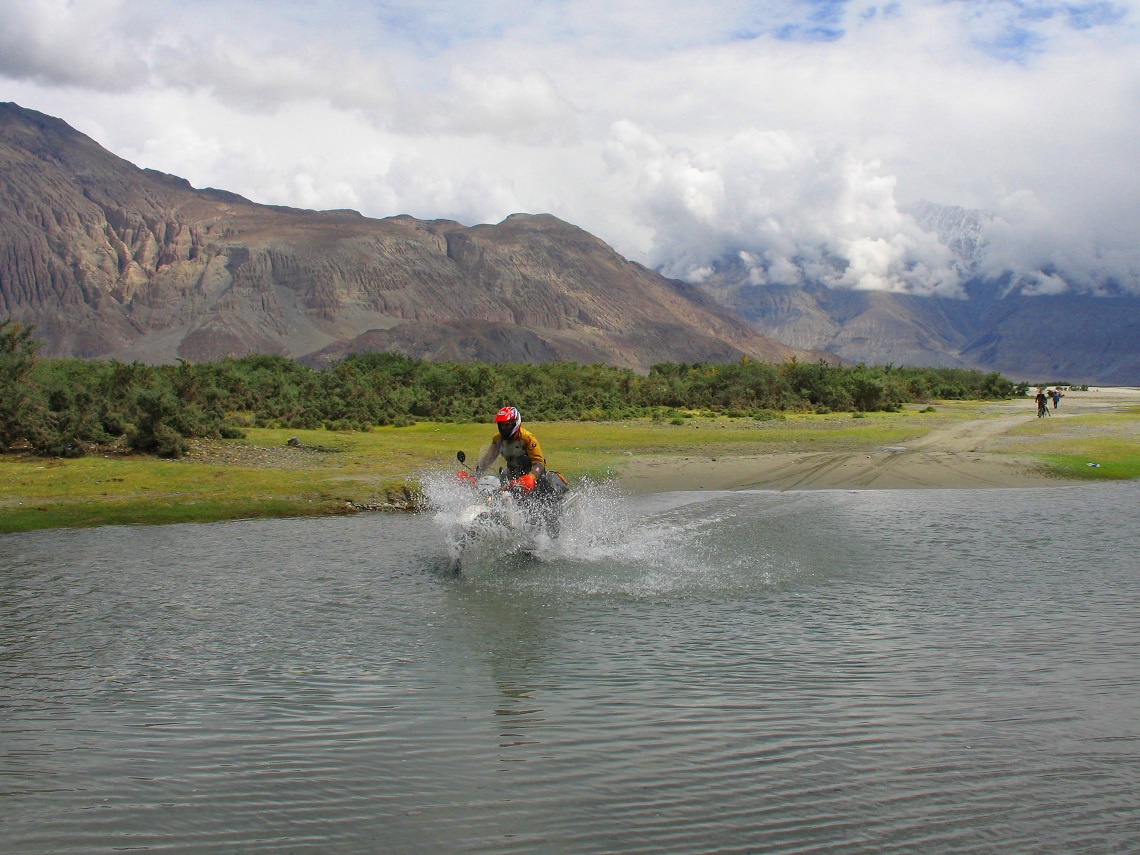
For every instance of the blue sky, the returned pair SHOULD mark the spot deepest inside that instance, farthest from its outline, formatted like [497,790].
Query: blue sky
[783,133]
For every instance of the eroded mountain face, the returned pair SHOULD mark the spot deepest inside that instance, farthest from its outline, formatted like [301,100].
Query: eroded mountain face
[108,260]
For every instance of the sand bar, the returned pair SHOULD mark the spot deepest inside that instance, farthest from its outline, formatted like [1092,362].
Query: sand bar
[964,455]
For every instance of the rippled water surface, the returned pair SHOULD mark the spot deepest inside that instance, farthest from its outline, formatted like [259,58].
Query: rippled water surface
[926,671]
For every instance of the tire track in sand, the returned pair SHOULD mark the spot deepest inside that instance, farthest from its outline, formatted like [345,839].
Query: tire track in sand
[959,455]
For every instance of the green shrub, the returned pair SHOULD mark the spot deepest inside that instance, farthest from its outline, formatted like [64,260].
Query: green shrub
[153,432]
[69,405]
[21,406]
[767,415]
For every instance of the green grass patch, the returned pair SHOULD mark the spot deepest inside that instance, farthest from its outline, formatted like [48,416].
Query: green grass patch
[1120,421]
[1114,459]
[83,514]
[1066,446]
[262,475]
[602,448]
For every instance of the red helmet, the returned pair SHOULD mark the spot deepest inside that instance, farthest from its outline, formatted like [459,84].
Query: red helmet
[508,420]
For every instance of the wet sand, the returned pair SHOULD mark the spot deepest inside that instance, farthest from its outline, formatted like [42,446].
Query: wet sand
[964,455]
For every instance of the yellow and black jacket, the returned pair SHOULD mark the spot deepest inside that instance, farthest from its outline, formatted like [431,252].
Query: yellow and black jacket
[521,452]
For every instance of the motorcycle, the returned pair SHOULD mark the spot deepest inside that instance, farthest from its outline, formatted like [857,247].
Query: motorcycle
[508,508]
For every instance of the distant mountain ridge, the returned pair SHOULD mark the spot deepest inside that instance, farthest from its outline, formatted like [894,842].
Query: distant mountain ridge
[112,261]
[1079,338]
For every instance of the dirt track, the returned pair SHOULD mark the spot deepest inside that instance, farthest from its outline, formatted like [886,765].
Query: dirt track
[964,455]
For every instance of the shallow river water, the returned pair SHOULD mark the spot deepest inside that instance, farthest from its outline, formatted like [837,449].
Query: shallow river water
[903,671]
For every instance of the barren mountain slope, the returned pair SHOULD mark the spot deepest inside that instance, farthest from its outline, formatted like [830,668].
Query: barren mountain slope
[110,260]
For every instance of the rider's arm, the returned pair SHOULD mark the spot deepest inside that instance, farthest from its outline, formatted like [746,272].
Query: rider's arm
[488,457]
[534,452]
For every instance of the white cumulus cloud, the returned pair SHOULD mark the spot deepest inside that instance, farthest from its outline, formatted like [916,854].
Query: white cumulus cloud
[64,43]
[791,136]
[788,210]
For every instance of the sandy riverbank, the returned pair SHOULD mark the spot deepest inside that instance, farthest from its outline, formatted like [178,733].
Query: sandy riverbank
[965,455]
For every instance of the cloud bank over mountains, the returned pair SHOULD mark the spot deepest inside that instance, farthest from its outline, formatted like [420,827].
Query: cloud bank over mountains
[792,137]
[788,212]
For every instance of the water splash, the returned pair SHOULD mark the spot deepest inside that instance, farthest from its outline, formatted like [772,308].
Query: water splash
[594,526]
[624,548]
[446,499]
[613,543]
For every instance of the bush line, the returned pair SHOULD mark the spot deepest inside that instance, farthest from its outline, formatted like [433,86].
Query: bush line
[67,407]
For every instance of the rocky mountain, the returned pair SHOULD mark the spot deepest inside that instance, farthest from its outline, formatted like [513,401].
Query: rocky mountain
[1039,338]
[960,229]
[112,261]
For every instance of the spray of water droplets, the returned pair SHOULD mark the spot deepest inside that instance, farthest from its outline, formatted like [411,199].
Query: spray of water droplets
[610,543]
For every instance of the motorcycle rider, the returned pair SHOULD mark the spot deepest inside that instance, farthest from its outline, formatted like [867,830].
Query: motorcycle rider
[519,448]
[540,491]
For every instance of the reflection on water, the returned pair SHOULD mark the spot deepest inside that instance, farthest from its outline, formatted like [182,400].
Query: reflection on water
[936,671]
